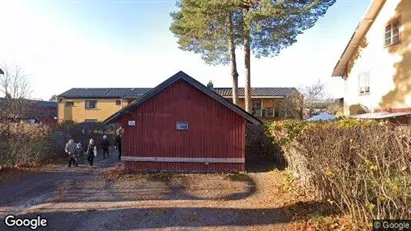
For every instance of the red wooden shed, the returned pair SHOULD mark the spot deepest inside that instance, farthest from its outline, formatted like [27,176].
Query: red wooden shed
[181,125]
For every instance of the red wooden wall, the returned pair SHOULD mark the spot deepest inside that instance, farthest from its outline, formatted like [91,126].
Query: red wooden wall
[214,131]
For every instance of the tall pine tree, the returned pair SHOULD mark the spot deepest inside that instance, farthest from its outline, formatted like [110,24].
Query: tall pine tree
[272,25]
[212,29]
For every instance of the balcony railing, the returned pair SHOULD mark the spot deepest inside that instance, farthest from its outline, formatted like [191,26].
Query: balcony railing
[264,112]
[274,112]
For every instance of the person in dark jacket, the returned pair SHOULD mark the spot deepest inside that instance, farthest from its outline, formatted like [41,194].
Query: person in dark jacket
[80,153]
[105,145]
[91,151]
[117,144]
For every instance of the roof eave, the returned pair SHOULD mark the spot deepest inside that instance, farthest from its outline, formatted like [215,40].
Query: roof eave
[359,33]
[112,119]
[89,97]
[181,75]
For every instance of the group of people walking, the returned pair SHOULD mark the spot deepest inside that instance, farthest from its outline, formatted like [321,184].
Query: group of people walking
[77,153]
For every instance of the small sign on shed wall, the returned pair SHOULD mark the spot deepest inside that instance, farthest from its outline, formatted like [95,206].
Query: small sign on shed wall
[182,125]
[132,123]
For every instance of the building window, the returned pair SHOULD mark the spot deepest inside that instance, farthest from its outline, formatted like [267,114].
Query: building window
[69,104]
[91,104]
[118,102]
[90,120]
[268,112]
[364,83]
[279,112]
[392,32]
[256,107]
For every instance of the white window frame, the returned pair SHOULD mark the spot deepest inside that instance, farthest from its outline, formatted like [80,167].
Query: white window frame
[392,33]
[364,83]
[88,106]
[261,107]
[69,104]
[270,109]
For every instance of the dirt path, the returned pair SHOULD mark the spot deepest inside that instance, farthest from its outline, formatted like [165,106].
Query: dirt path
[83,199]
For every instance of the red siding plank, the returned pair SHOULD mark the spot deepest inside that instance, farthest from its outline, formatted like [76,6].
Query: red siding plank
[214,130]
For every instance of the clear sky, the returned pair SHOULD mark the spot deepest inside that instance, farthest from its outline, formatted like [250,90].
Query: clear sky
[127,43]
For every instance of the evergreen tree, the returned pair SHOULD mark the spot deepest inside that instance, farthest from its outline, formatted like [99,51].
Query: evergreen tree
[212,29]
[272,25]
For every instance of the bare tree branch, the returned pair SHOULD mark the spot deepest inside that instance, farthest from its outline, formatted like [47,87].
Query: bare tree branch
[15,86]
[312,98]
[14,81]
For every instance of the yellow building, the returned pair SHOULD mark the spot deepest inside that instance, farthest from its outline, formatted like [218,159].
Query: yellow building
[97,104]
[376,64]
[94,104]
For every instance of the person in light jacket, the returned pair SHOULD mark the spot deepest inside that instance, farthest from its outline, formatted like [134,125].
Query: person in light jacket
[91,151]
[71,151]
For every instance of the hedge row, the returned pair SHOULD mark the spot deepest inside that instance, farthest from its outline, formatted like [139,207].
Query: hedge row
[361,167]
[24,144]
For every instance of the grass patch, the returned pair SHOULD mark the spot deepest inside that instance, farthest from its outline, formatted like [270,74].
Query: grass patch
[118,173]
[162,176]
[238,177]
[308,213]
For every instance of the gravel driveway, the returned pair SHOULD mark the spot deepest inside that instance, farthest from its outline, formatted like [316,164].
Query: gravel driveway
[84,198]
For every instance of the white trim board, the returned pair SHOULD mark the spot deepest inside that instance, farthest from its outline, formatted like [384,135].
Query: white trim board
[184,160]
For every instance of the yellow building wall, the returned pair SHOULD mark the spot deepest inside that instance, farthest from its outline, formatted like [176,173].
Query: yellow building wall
[389,67]
[107,107]
[78,113]
[265,103]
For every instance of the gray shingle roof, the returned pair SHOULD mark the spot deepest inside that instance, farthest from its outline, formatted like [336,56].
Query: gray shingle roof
[182,76]
[258,91]
[104,92]
[138,92]
[39,103]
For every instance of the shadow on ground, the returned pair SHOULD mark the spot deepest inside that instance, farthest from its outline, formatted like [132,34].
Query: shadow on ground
[156,187]
[256,165]
[85,184]
[181,217]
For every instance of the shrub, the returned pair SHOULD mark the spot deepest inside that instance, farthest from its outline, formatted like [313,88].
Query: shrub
[31,144]
[361,167]
[23,144]
[259,146]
